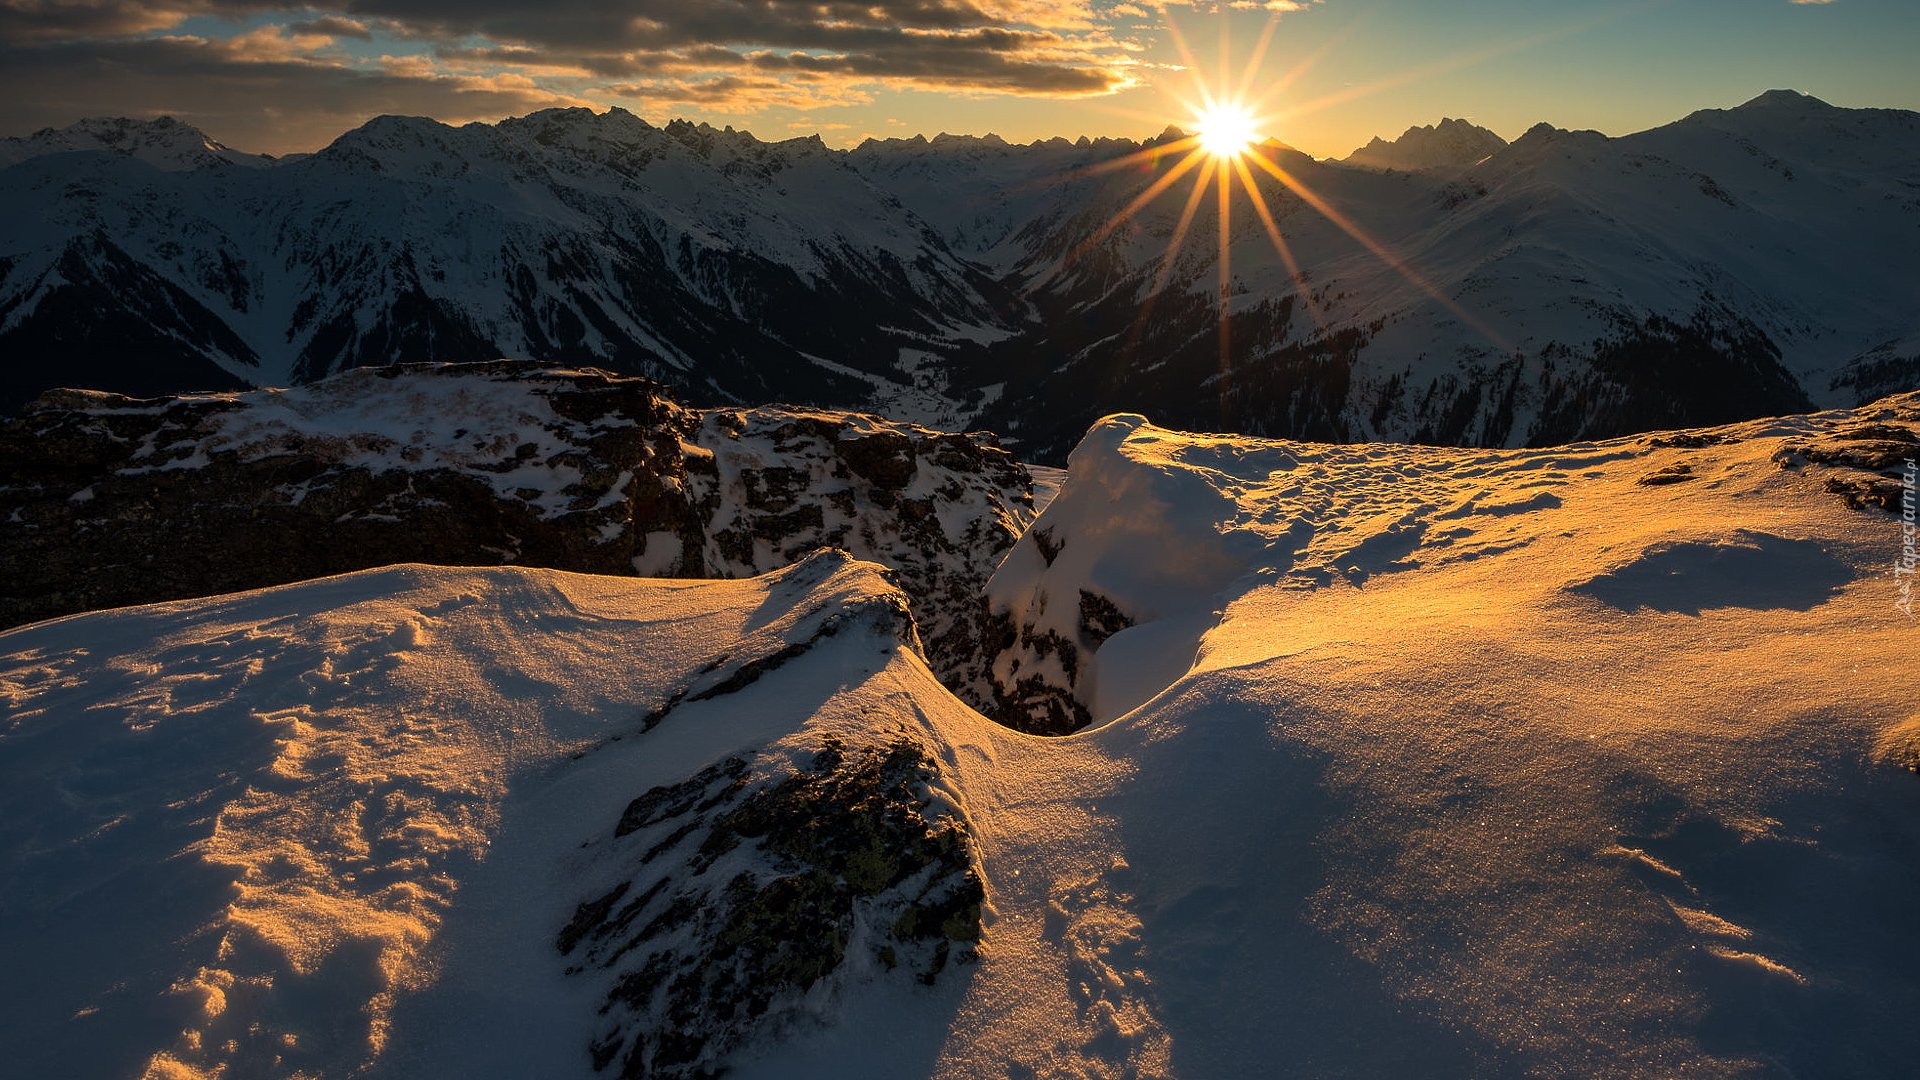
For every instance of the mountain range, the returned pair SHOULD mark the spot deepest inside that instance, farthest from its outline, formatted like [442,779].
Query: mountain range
[1444,288]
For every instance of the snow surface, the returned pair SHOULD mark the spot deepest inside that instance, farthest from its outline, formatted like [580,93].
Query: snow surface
[1467,763]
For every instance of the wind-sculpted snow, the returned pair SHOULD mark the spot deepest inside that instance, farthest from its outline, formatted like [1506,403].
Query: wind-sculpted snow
[1103,601]
[1594,761]
[118,501]
[275,816]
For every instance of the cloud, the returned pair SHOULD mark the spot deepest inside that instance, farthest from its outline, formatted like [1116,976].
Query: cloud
[333,26]
[68,58]
[52,20]
[732,94]
[261,91]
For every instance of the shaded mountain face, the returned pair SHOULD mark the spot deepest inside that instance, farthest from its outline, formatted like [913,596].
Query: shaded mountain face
[1732,264]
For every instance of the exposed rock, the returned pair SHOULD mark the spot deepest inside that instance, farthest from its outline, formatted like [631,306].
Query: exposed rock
[941,509]
[112,500]
[1870,463]
[116,501]
[748,888]
[1100,618]
[1672,474]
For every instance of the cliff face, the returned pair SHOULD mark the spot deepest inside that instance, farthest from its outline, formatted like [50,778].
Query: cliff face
[114,501]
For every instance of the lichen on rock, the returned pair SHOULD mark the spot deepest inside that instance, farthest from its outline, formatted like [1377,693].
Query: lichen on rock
[750,887]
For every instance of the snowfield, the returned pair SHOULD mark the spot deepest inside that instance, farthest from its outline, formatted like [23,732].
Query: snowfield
[1590,761]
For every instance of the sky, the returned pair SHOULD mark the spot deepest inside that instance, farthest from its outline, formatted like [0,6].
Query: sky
[266,77]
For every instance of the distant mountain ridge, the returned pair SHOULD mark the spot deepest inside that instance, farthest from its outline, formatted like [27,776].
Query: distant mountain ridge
[1449,143]
[163,142]
[1734,263]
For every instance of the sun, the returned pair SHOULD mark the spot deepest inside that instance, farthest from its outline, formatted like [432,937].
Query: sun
[1226,130]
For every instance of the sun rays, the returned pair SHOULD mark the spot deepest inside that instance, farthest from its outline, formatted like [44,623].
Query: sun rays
[1224,152]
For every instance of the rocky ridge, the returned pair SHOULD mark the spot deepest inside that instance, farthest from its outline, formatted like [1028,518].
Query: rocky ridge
[748,887]
[112,501]
[1449,144]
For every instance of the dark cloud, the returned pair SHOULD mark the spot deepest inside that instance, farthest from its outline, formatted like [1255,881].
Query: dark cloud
[67,58]
[52,20]
[250,93]
[333,26]
[961,64]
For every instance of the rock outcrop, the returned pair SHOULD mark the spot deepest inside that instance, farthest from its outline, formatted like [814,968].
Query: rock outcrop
[748,888]
[110,500]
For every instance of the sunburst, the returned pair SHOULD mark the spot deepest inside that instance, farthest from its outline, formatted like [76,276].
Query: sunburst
[1226,150]
[1226,130]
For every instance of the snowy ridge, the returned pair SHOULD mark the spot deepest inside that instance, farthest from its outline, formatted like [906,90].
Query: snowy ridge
[1580,761]
[164,143]
[1736,263]
[482,464]
[1133,564]
[315,858]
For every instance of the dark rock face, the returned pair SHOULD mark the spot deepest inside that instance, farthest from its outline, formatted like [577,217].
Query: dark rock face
[120,501]
[748,888]
[941,509]
[112,501]
[1036,671]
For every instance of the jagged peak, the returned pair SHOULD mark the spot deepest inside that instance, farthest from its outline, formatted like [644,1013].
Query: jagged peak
[1450,143]
[947,139]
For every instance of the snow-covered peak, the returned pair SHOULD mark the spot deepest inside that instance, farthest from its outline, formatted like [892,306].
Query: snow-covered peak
[1451,143]
[1787,99]
[164,143]
[1804,130]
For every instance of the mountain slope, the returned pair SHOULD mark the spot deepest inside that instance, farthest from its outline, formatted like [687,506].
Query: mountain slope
[709,258]
[1734,264]
[1569,286]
